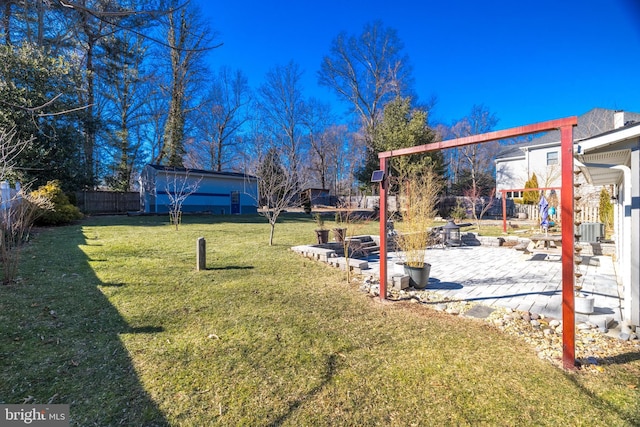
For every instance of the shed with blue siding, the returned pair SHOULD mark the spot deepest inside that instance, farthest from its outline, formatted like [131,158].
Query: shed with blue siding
[220,193]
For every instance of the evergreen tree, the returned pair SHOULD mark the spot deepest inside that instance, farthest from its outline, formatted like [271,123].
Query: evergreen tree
[606,208]
[37,100]
[403,126]
[531,197]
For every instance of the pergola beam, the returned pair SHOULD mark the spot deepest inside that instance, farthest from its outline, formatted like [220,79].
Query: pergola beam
[566,141]
[485,137]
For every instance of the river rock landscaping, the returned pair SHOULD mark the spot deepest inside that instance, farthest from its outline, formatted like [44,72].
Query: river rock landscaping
[595,347]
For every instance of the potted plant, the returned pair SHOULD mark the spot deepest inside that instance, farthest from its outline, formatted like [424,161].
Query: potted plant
[321,232]
[420,195]
[340,231]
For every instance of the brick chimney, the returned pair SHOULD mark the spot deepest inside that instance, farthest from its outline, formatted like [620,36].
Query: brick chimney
[618,119]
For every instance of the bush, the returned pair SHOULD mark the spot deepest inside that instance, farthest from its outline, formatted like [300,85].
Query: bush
[459,212]
[606,208]
[531,197]
[63,211]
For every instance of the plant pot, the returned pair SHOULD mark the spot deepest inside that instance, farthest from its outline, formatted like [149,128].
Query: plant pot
[418,276]
[583,305]
[323,236]
[339,234]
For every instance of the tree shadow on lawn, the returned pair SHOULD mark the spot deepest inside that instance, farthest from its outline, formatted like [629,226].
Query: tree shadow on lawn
[60,339]
[232,267]
[150,220]
[330,371]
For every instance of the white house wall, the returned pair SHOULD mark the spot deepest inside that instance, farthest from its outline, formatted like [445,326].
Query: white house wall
[634,212]
[548,175]
[627,213]
[515,172]
[511,174]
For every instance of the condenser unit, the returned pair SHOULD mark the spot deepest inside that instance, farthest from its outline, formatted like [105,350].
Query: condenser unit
[591,232]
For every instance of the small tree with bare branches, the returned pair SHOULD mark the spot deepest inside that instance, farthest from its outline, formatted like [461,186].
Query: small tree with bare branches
[277,188]
[479,203]
[178,190]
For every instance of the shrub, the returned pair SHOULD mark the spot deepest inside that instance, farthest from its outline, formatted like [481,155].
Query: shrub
[63,211]
[459,212]
[531,197]
[606,208]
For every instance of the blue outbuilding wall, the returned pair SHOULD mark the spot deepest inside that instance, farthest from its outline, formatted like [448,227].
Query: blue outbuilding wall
[220,193]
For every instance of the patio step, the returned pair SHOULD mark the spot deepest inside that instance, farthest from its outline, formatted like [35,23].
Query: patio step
[362,247]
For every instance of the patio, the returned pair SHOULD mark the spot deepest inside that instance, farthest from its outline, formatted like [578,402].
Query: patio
[504,277]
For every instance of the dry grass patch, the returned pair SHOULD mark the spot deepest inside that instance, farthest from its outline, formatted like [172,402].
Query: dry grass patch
[263,337]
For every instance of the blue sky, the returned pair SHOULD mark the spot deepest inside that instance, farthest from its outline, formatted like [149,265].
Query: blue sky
[526,61]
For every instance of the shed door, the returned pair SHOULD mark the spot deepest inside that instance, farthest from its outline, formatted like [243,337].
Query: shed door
[235,202]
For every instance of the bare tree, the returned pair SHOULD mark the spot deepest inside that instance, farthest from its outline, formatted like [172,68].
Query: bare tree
[283,107]
[188,39]
[221,118]
[18,208]
[351,151]
[471,167]
[127,90]
[323,140]
[480,205]
[277,188]
[367,71]
[178,190]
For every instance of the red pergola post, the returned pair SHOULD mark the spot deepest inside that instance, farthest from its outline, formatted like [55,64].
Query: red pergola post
[383,228]
[503,196]
[566,215]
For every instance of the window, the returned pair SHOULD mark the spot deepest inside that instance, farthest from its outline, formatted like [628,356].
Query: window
[513,194]
[552,158]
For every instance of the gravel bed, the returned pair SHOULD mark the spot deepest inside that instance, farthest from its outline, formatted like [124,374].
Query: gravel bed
[595,347]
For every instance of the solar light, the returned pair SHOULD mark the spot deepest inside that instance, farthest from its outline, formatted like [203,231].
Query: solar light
[377,176]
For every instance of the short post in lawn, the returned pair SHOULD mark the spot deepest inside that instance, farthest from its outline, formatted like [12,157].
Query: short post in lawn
[201,254]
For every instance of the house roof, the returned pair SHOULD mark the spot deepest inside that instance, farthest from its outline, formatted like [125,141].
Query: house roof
[595,122]
[510,151]
[201,172]
[598,157]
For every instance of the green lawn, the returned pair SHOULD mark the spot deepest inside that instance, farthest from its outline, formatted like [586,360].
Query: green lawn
[110,316]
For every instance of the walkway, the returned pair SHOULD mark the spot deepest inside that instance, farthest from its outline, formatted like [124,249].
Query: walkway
[499,276]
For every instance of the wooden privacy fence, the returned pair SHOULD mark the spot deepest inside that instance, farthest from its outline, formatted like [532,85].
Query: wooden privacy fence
[107,202]
[586,214]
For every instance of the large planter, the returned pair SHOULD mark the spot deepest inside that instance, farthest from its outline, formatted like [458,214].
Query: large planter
[418,276]
[583,305]
[323,236]
[339,234]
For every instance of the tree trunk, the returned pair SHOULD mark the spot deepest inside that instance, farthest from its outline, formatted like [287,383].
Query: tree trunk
[273,226]
[6,23]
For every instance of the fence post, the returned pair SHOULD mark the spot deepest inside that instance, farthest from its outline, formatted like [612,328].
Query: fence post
[201,253]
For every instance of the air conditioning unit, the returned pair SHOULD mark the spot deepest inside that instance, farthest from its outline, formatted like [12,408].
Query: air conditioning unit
[591,232]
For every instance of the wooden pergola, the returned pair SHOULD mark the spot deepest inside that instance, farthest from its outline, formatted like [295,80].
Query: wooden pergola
[566,215]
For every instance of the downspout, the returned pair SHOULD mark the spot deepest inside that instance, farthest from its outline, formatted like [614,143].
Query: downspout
[626,239]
